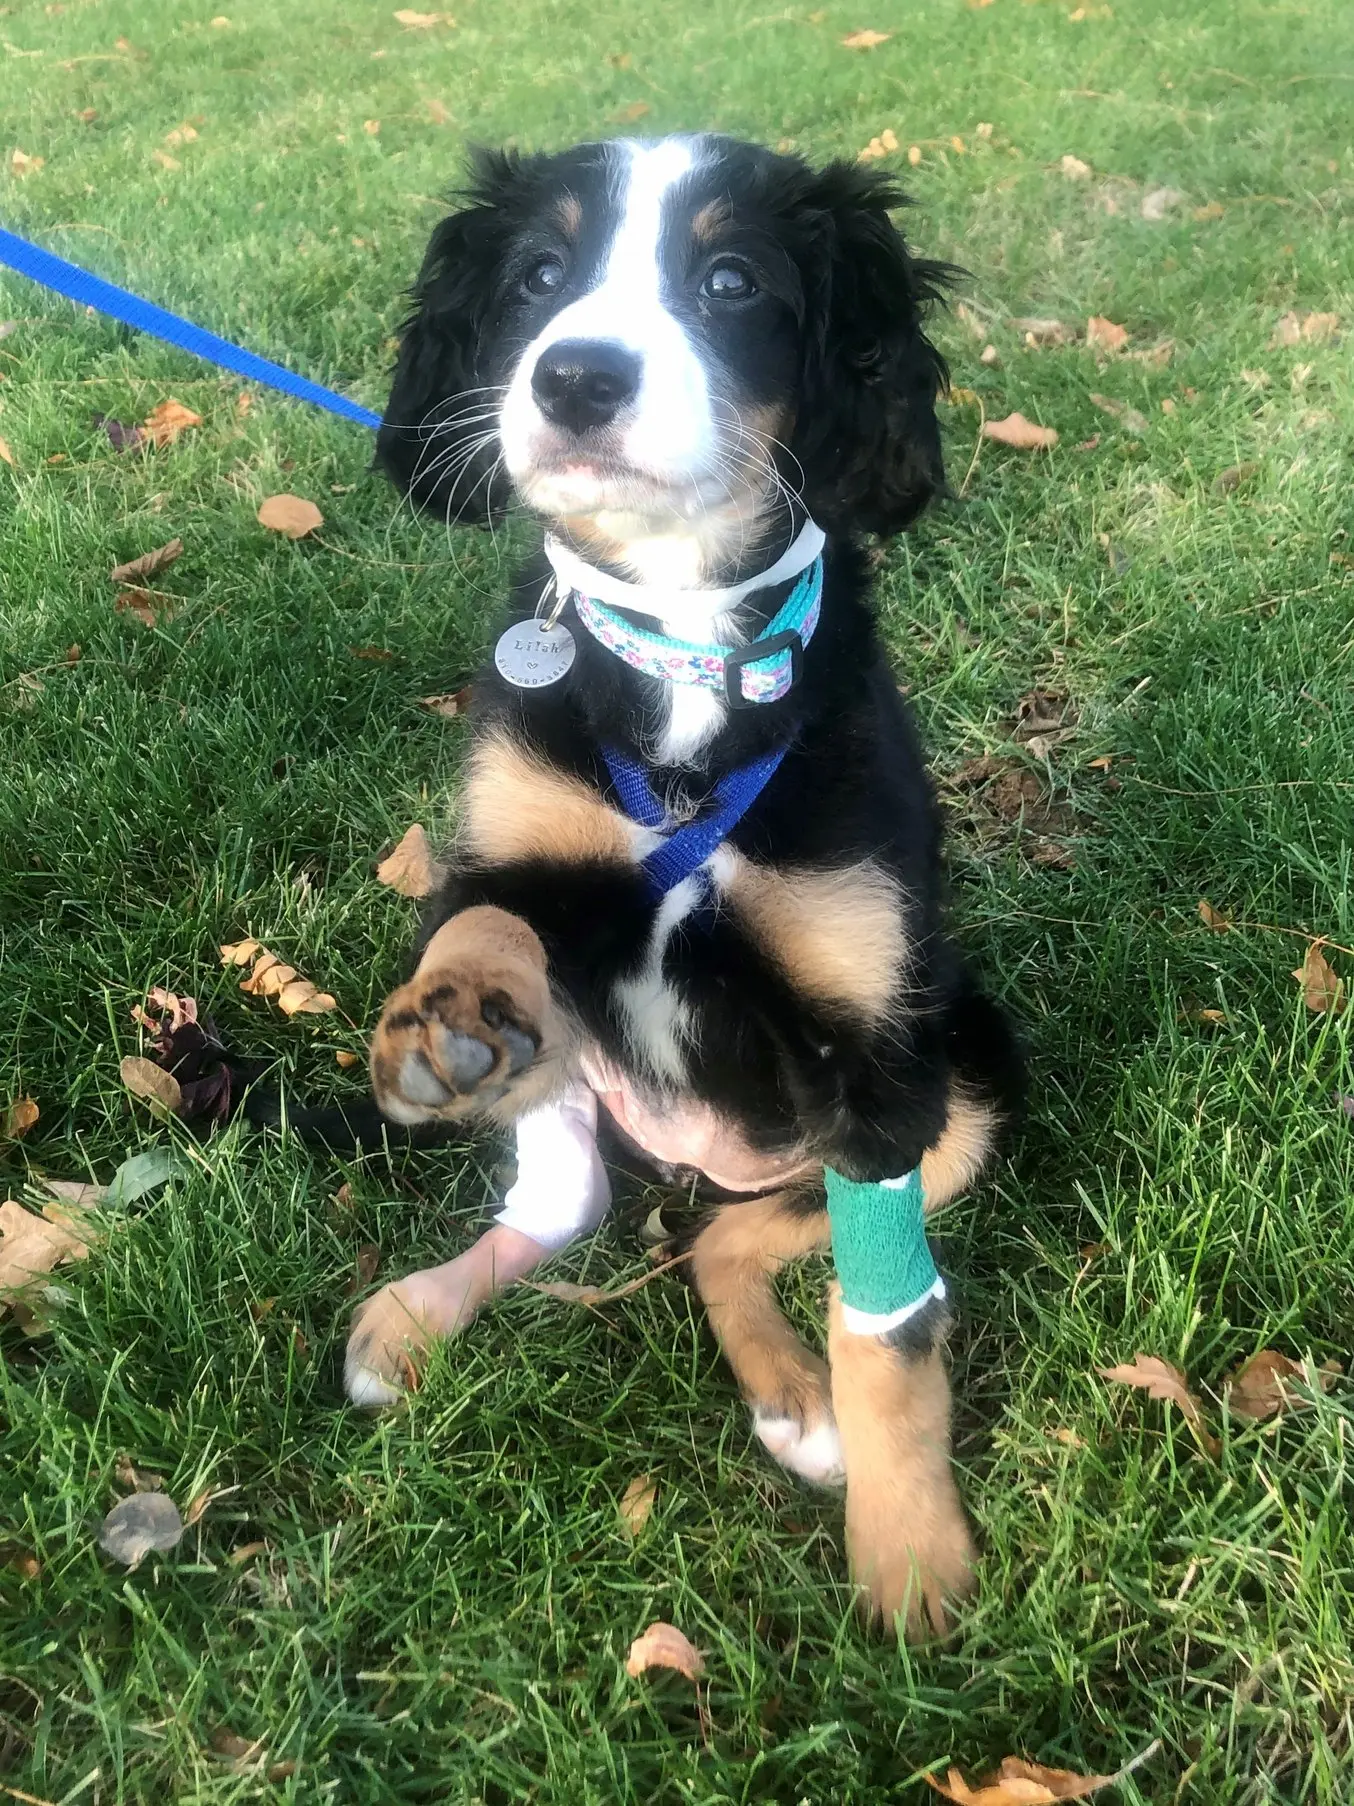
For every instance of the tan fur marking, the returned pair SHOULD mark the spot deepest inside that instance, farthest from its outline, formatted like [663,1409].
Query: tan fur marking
[518,807]
[570,215]
[906,1534]
[837,935]
[960,1154]
[734,1261]
[709,222]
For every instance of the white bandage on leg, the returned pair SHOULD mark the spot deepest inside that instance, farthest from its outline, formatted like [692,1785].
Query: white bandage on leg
[562,1189]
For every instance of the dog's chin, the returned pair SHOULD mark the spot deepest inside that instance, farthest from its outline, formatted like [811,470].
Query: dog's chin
[581,488]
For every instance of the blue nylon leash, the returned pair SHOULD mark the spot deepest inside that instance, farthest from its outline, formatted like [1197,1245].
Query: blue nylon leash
[79,285]
[685,849]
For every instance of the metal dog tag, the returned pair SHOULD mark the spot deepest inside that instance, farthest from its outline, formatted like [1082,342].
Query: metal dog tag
[534,654]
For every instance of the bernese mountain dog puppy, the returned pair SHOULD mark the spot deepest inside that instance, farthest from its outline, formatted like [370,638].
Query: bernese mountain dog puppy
[696,894]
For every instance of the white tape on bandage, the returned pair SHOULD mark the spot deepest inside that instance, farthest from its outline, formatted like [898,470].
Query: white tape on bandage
[562,1189]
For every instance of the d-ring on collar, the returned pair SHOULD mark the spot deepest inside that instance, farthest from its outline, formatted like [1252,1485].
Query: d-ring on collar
[762,671]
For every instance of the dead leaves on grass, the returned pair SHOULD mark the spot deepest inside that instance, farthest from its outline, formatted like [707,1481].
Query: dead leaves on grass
[1323,990]
[18,1118]
[1021,1783]
[866,40]
[1305,329]
[1003,794]
[32,1246]
[1022,434]
[637,1503]
[1259,1389]
[166,423]
[291,515]
[149,564]
[272,978]
[664,1646]
[1159,1379]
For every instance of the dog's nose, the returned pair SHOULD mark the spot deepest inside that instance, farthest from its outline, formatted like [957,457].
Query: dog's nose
[580,383]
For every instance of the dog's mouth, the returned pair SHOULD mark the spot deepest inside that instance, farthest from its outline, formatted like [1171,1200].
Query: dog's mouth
[578,479]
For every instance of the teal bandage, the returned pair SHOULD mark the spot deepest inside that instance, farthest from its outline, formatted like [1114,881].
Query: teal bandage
[879,1245]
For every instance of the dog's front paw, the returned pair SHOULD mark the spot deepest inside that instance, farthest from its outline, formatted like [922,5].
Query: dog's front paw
[472,1019]
[908,1543]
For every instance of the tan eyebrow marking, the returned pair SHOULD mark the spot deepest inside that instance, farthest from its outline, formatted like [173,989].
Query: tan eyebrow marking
[705,226]
[570,214]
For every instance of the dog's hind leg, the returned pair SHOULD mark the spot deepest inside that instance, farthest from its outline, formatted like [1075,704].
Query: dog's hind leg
[735,1260]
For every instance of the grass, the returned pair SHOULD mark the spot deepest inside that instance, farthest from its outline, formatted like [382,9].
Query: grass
[438,1604]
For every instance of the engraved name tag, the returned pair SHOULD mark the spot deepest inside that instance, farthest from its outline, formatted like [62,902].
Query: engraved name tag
[531,655]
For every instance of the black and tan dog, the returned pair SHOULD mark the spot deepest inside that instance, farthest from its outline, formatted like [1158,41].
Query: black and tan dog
[697,883]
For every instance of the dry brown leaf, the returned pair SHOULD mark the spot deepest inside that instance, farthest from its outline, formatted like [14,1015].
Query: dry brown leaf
[1074,169]
[372,127]
[637,1503]
[143,1078]
[1023,434]
[635,109]
[437,111]
[1158,202]
[78,1192]
[1213,918]
[1323,989]
[31,1245]
[1104,335]
[664,1646]
[1211,210]
[1158,1379]
[866,40]
[18,1118]
[566,1291]
[346,1058]
[1228,481]
[965,314]
[1156,356]
[411,869]
[914,154]
[1256,1390]
[1131,419]
[413,21]
[163,425]
[1019,1783]
[448,705]
[134,1478]
[1039,331]
[364,1269]
[290,515]
[162,160]
[1314,328]
[271,978]
[21,164]
[149,564]
[1068,1438]
[374,655]
[6,455]
[148,605]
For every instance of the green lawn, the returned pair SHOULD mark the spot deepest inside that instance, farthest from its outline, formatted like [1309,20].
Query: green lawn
[437,1605]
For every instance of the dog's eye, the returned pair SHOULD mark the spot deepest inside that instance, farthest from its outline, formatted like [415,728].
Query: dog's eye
[546,278]
[729,281]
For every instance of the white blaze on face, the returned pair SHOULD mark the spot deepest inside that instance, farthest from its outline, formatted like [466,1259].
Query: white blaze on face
[667,432]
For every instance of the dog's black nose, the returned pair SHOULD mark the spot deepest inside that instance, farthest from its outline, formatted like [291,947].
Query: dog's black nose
[580,383]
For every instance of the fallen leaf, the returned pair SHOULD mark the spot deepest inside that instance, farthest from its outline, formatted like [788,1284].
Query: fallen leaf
[32,1245]
[244,401]
[1160,1380]
[566,1291]
[135,1526]
[454,702]
[1088,445]
[364,1269]
[6,455]
[437,112]
[293,995]
[413,21]
[162,160]
[1228,481]
[290,515]
[1104,335]
[1217,1018]
[664,1646]
[149,564]
[150,607]
[142,1173]
[143,1078]
[866,40]
[1213,918]
[1157,356]
[1074,169]
[1129,418]
[246,1552]
[1020,1783]
[18,1118]
[1256,1390]
[21,164]
[79,1192]
[181,134]
[410,869]
[164,424]
[989,355]
[1040,713]
[374,655]
[965,314]
[345,1058]
[914,155]
[1212,210]
[637,1503]
[1039,332]
[1023,434]
[636,109]
[1068,1438]
[1323,990]
[1314,328]
[372,127]
[135,1479]
[1158,202]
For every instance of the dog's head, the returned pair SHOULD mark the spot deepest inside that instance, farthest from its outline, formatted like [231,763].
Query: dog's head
[669,333]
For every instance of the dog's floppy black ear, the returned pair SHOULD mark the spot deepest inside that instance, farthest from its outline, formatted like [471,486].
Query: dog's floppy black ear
[866,436]
[436,439]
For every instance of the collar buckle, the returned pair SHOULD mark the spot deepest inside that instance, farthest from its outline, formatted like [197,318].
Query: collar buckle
[752,654]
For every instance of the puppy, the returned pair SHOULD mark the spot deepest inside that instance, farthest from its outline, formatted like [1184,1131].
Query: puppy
[697,881]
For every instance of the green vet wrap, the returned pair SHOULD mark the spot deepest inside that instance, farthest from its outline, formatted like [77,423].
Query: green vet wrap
[879,1245]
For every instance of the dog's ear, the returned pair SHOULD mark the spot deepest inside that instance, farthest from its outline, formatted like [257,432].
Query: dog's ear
[436,439]
[866,435]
